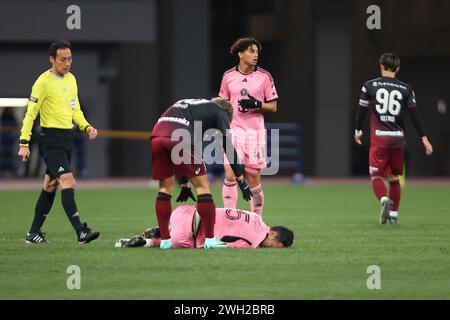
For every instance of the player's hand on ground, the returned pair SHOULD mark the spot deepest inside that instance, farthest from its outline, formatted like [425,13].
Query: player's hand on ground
[250,103]
[24,153]
[245,189]
[358,134]
[428,146]
[92,132]
[185,194]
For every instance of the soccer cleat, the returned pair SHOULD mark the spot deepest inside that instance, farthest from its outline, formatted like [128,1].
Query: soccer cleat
[121,243]
[136,241]
[386,206]
[214,243]
[150,233]
[86,235]
[37,237]
[393,217]
[393,220]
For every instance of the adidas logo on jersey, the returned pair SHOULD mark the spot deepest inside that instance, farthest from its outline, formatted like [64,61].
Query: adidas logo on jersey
[245,80]
[61,169]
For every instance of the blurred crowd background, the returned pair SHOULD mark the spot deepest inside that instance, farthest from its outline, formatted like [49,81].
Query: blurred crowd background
[133,58]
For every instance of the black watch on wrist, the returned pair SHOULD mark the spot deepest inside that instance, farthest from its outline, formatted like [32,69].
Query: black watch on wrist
[24,141]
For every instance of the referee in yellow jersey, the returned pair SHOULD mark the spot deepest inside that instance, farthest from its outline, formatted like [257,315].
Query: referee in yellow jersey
[55,97]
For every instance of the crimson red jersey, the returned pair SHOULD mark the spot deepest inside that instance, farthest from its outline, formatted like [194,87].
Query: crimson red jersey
[387,98]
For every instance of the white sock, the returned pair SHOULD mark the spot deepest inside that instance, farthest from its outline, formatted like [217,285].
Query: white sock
[383,199]
[394,214]
[148,243]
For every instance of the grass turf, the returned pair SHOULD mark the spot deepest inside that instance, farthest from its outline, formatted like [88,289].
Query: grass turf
[337,236]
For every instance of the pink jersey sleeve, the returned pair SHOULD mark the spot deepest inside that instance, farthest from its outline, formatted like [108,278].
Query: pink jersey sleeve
[239,244]
[270,93]
[223,93]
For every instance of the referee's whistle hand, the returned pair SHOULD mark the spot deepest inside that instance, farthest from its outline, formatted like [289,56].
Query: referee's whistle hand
[92,132]
[24,153]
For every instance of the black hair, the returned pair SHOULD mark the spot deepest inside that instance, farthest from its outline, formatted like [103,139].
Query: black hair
[389,61]
[242,44]
[285,235]
[61,44]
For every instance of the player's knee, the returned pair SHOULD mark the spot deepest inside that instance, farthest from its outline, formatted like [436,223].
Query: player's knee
[253,178]
[393,178]
[167,185]
[51,186]
[372,178]
[229,174]
[67,181]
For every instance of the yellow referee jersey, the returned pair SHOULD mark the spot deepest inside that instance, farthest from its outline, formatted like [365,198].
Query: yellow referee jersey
[55,97]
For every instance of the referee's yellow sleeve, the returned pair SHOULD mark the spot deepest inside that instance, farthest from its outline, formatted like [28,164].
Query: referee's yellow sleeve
[78,116]
[37,96]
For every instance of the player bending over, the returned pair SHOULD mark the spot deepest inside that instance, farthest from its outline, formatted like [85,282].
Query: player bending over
[236,228]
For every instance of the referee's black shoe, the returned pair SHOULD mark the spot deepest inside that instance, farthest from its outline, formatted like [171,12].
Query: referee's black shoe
[37,237]
[86,235]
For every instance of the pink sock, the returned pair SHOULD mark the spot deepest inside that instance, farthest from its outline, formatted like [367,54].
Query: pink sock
[257,201]
[229,194]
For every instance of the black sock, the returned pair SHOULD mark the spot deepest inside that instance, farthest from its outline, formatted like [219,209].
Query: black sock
[43,206]
[69,205]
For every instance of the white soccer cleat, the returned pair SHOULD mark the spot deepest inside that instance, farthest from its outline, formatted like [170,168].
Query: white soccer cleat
[386,206]
[393,217]
[121,243]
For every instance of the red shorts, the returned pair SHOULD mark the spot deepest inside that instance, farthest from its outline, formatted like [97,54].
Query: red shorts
[385,161]
[183,163]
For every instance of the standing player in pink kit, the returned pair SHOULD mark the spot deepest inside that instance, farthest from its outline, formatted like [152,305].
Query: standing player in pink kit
[251,91]
[236,228]
[387,97]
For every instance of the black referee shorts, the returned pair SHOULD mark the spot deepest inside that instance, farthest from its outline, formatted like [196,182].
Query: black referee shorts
[56,147]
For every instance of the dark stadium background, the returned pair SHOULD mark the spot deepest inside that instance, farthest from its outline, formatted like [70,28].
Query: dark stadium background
[134,58]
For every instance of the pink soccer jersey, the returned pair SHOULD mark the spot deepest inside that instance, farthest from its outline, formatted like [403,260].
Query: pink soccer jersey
[240,228]
[236,86]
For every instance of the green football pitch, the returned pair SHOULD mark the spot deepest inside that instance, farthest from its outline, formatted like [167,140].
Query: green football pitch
[337,238]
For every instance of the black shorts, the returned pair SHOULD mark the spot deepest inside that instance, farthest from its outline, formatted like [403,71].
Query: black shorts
[56,147]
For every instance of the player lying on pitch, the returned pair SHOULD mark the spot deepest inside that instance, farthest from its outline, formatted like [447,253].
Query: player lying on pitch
[236,228]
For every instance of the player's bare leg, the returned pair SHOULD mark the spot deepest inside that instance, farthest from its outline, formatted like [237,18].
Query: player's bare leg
[229,188]
[253,177]
[380,191]
[207,210]
[394,195]
[163,209]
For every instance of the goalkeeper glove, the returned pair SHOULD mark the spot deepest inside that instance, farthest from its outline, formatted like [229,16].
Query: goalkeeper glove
[185,194]
[250,103]
[246,193]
